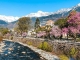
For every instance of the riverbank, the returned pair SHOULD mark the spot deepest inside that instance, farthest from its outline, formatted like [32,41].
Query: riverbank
[55,47]
[43,54]
[1,46]
[16,51]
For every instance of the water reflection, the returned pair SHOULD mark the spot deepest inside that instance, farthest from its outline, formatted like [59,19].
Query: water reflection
[16,51]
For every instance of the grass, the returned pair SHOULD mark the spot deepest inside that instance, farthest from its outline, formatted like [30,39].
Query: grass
[63,57]
[29,43]
[45,46]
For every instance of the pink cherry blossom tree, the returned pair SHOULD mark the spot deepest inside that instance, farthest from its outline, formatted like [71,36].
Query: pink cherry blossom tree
[24,34]
[56,31]
[41,34]
[65,32]
[73,25]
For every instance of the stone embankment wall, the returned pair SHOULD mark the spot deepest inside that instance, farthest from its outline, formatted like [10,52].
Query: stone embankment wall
[29,41]
[57,46]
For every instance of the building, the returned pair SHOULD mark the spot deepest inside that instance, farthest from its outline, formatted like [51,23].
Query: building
[50,22]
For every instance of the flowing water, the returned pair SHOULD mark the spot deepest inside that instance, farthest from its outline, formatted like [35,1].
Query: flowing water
[16,51]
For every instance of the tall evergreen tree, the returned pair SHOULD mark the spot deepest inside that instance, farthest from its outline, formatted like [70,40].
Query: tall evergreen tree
[37,23]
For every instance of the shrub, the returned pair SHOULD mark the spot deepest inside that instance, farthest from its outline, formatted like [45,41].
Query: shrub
[1,38]
[72,51]
[63,57]
[11,37]
[78,55]
[45,46]
[29,43]
[40,46]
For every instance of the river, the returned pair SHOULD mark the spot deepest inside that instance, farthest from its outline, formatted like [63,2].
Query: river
[16,51]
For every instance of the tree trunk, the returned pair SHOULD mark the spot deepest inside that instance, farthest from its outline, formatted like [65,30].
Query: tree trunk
[75,38]
[67,36]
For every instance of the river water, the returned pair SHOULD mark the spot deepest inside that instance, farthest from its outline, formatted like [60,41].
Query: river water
[16,51]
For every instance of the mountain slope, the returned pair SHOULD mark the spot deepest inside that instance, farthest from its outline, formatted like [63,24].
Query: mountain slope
[59,14]
[2,22]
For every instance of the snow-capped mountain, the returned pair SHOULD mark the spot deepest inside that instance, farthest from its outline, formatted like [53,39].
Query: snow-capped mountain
[39,14]
[76,8]
[8,18]
[43,16]
[78,4]
[62,10]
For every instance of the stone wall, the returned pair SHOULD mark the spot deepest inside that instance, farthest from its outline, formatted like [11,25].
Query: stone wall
[57,46]
[35,42]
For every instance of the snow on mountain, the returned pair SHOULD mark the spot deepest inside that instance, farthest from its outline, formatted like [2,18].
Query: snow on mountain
[41,13]
[38,14]
[8,18]
[78,4]
[62,10]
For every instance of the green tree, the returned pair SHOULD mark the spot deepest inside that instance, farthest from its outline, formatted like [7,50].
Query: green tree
[4,31]
[24,24]
[37,23]
[61,22]
[16,29]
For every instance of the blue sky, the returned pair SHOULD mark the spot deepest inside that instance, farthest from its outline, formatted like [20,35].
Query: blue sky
[24,7]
